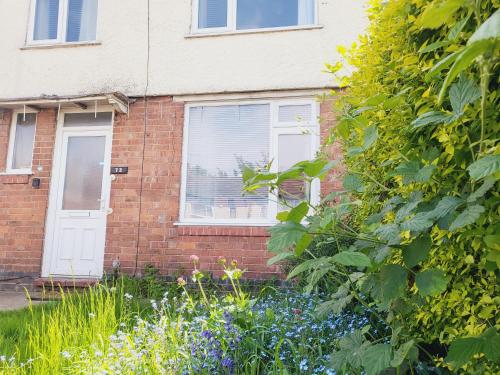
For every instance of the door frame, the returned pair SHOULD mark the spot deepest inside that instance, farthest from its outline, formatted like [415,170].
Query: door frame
[56,182]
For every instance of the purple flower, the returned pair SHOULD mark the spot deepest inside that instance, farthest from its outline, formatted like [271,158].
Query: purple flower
[207,334]
[228,363]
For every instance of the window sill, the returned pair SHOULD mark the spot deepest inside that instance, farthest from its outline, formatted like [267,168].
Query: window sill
[224,230]
[215,224]
[252,31]
[17,173]
[60,45]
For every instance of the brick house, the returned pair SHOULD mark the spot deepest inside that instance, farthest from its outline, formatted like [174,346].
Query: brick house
[124,126]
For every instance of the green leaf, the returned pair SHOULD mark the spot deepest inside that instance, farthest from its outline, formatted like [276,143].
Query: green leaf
[463,61]
[417,251]
[280,257]
[484,167]
[462,93]
[343,128]
[431,282]
[335,306]
[371,135]
[419,222]
[402,353]
[408,170]
[425,173]
[438,13]
[434,46]
[315,167]
[457,28]
[491,347]
[248,173]
[309,265]
[430,118]
[392,282]
[489,182]
[302,244]
[462,349]
[376,358]
[352,258]
[492,241]
[387,231]
[284,235]
[489,29]
[467,217]
[446,206]
[353,182]
[441,65]
[298,213]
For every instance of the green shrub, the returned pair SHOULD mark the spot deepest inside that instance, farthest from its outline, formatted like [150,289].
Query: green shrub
[419,123]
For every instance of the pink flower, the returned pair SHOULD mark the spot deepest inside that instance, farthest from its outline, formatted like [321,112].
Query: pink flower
[194,258]
[181,281]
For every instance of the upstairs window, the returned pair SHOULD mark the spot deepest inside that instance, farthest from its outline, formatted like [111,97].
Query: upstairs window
[59,21]
[222,139]
[21,140]
[232,15]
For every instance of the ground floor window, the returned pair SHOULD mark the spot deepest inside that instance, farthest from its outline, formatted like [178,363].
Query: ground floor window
[222,138]
[21,140]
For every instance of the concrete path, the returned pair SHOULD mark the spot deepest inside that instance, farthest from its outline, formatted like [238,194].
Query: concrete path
[14,301]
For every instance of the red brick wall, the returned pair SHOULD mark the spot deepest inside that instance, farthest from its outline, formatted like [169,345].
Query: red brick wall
[22,208]
[159,241]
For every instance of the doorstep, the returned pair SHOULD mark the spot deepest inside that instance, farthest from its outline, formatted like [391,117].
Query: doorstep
[58,282]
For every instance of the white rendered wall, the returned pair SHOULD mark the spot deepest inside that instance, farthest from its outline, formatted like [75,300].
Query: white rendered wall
[178,64]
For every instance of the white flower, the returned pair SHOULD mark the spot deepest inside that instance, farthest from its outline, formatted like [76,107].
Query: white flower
[128,296]
[98,353]
[66,354]
[3,358]
[91,315]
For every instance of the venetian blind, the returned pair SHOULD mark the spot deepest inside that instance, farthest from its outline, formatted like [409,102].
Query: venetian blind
[221,141]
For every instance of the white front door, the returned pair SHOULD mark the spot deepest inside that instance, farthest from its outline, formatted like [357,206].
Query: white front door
[76,226]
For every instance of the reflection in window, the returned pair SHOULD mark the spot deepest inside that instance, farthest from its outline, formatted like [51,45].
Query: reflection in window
[222,141]
[293,148]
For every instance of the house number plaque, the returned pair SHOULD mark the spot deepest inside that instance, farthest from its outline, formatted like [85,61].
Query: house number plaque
[119,170]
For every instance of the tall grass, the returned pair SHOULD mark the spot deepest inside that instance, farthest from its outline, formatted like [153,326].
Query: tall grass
[79,321]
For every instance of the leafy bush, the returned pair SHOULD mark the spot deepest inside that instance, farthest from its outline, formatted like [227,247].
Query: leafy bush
[420,127]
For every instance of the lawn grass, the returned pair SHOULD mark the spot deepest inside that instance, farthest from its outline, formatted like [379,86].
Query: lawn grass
[14,327]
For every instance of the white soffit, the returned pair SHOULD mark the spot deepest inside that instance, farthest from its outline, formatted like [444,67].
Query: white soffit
[118,101]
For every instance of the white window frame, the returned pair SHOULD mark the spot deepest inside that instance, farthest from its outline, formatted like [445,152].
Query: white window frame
[62,24]
[275,130]
[12,141]
[232,11]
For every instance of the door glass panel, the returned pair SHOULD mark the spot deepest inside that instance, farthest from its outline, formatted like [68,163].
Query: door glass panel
[84,173]
[293,148]
[87,119]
